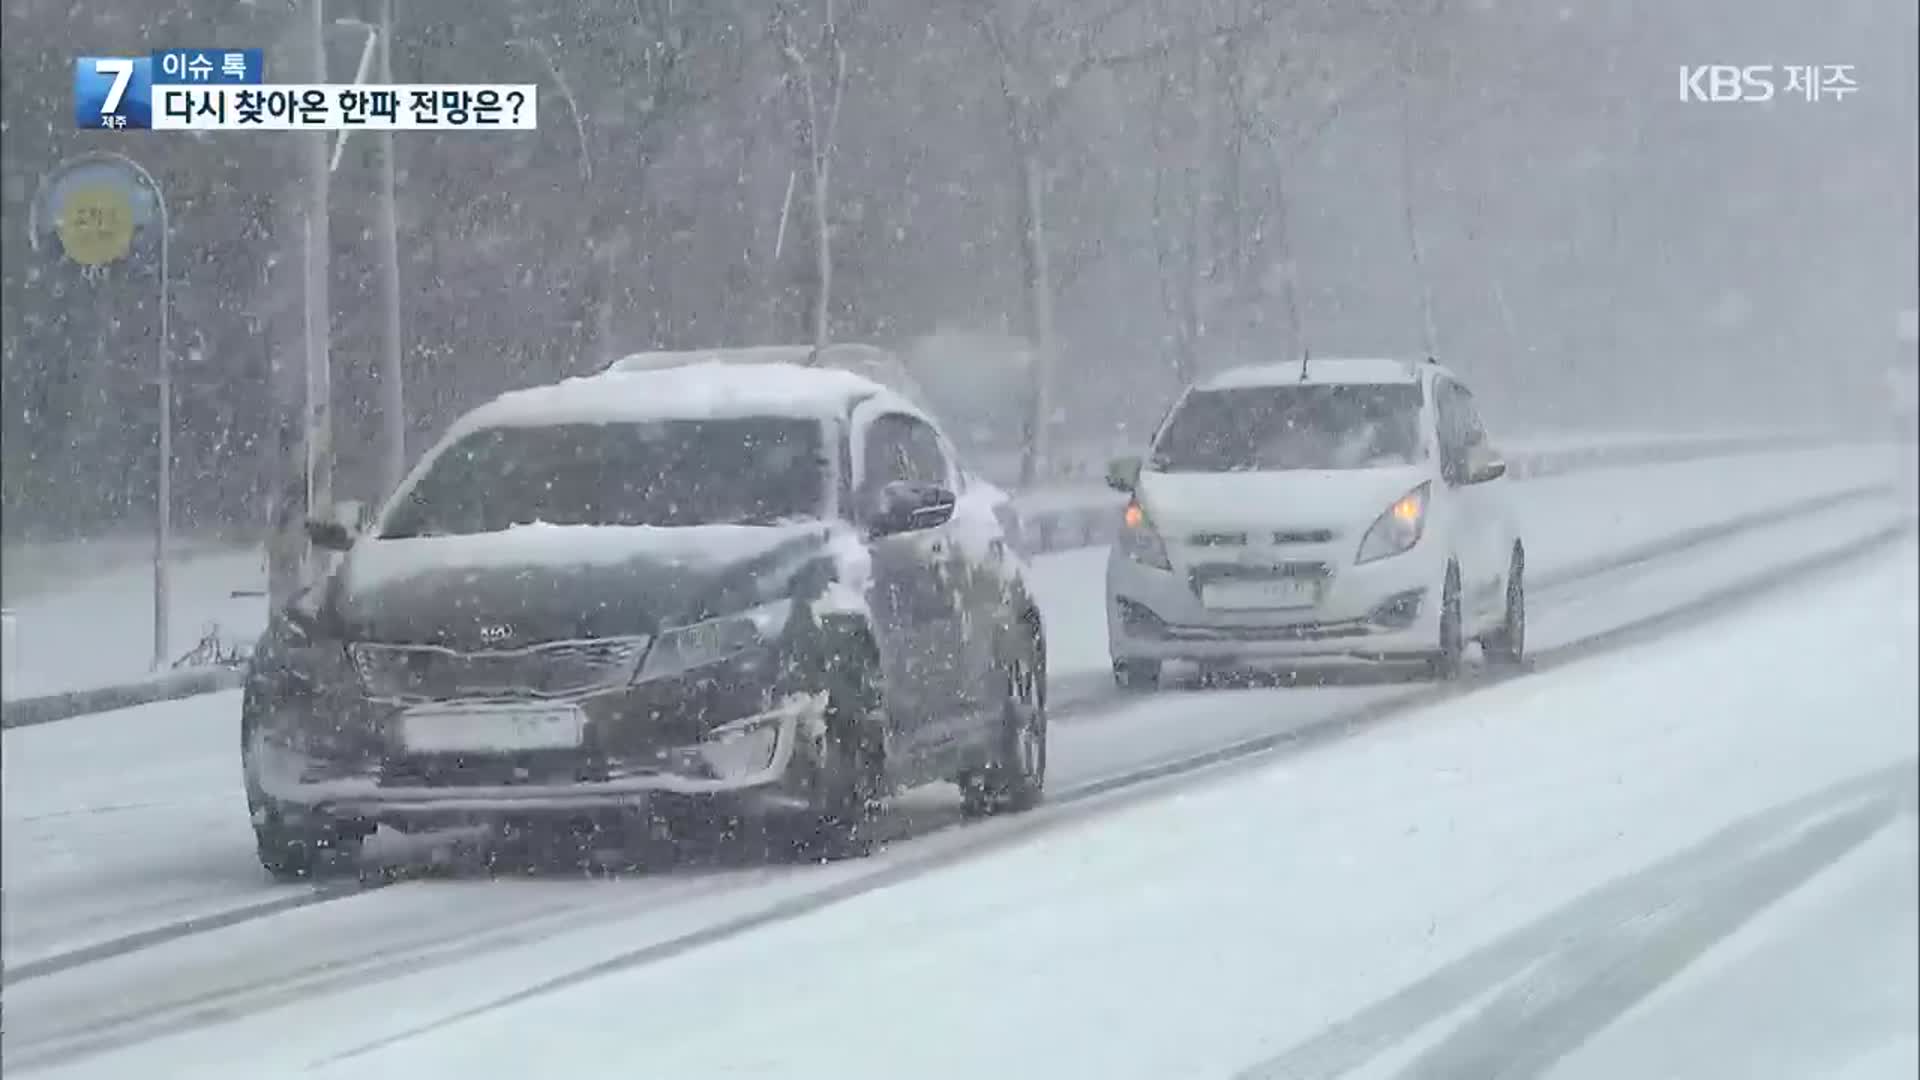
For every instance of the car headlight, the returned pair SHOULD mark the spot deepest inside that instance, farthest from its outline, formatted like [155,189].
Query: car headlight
[740,750]
[684,648]
[1397,528]
[1139,541]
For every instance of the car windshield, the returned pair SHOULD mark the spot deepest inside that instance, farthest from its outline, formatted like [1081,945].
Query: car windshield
[678,472]
[1310,426]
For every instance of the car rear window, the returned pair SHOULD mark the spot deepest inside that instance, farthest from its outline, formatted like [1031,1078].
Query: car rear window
[1308,426]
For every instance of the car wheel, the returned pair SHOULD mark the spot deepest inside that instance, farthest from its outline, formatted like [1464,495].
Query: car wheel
[1015,781]
[301,853]
[1507,646]
[1137,674]
[1446,663]
[296,852]
[847,791]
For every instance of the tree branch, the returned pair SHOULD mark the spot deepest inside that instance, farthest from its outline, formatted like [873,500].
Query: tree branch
[1265,12]
[837,50]
[573,103]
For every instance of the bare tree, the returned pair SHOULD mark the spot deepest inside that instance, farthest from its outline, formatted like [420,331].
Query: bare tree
[1231,117]
[1408,62]
[817,96]
[1042,55]
[1183,111]
[673,55]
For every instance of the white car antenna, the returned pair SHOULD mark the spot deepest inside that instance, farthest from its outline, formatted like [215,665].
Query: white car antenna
[1305,355]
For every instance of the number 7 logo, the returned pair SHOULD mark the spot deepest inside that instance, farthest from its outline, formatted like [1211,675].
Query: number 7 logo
[121,69]
[112,93]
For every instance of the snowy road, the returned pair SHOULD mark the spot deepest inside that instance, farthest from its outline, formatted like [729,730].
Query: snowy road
[130,823]
[1479,891]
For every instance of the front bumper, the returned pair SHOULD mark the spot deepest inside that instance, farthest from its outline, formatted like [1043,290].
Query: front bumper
[301,783]
[1383,610]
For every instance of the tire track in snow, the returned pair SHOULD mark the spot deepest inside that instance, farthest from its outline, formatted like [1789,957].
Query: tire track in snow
[1591,959]
[1080,698]
[1108,794]
[1075,803]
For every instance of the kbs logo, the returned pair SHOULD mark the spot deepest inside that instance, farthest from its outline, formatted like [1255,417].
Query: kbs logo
[1757,83]
[1726,82]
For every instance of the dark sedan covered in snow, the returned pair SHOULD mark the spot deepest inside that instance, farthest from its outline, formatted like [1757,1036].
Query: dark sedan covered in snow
[725,590]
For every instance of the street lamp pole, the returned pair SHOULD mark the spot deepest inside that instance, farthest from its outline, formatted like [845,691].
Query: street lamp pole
[163,527]
[378,52]
[319,425]
[387,235]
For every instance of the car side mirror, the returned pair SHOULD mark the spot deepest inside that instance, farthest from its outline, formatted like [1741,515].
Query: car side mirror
[329,535]
[1123,474]
[904,506]
[1483,464]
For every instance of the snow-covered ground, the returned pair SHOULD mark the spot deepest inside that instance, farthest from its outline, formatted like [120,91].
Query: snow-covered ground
[133,819]
[1291,921]
[1488,879]
[96,629]
[130,823]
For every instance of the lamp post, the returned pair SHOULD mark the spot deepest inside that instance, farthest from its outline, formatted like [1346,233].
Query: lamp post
[378,52]
[92,212]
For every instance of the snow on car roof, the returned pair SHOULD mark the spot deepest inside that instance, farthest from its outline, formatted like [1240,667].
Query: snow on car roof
[703,390]
[1332,369]
[874,363]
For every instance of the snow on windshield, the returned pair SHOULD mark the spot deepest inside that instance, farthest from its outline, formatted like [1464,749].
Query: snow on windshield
[667,473]
[1310,426]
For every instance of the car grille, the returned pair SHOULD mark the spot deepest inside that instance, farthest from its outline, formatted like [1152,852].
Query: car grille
[1241,539]
[1207,572]
[552,669]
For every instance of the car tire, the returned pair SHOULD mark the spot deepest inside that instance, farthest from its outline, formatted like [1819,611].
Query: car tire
[1015,781]
[1445,664]
[1137,675]
[847,791]
[301,853]
[1506,647]
[294,852]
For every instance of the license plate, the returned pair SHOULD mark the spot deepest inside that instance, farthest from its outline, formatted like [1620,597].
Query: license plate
[496,729]
[1269,595]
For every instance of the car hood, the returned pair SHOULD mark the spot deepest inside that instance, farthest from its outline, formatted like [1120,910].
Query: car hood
[1337,500]
[555,582]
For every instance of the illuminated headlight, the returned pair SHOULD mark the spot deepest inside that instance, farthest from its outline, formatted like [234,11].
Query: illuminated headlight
[1397,528]
[740,750]
[684,648]
[1139,541]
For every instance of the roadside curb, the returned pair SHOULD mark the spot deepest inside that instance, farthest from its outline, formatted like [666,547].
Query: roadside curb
[187,682]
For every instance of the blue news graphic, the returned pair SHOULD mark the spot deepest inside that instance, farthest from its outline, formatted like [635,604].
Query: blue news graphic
[208,67]
[113,92]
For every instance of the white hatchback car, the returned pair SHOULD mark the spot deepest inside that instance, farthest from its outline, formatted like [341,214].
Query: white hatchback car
[1327,509]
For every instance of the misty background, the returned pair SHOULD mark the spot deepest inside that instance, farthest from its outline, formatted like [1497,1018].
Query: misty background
[1513,183]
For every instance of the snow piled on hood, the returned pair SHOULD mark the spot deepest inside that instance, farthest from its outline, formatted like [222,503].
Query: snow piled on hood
[375,562]
[709,390]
